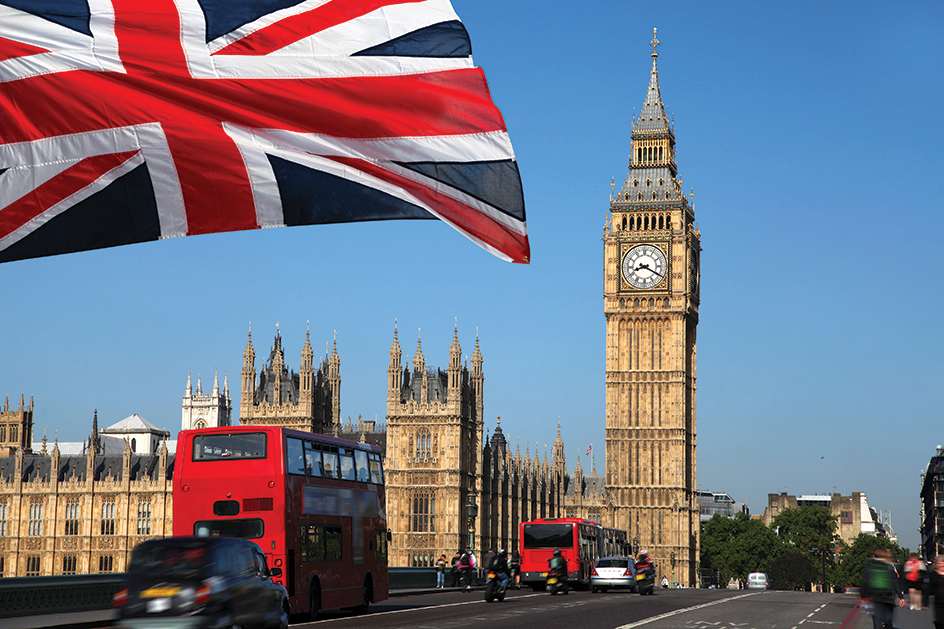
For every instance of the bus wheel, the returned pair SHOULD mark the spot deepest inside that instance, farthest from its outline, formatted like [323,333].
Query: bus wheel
[314,603]
[365,606]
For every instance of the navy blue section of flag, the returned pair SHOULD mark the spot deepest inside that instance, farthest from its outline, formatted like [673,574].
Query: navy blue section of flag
[312,197]
[126,206]
[446,39]
[73,14]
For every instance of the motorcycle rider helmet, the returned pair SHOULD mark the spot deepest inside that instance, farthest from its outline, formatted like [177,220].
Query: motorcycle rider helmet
[643,553]
[557,552]
[502,553]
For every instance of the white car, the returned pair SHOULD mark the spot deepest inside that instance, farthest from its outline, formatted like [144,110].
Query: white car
[758,581]
[613,572]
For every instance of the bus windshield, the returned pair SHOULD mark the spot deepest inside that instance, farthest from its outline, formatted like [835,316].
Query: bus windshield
[244,445]
[548,536]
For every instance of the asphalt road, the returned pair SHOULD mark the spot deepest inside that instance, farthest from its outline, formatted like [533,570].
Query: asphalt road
[666,609]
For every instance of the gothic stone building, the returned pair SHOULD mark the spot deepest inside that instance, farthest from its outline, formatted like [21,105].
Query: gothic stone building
[83,512]
[651,298]
[438,461]
[308,400]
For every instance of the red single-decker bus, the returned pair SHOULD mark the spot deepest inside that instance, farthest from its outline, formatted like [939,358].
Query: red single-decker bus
[580,541]
[313,503]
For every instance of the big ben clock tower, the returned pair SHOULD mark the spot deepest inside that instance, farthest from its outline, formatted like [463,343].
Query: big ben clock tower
[651,251]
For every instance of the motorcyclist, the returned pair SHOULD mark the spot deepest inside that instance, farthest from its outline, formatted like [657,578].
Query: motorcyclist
[644,562]
[500,566]
[557,563]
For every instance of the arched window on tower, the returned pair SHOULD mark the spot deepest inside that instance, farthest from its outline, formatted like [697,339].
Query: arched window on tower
[624,223]
[423,443]
[134,445]
[660,156]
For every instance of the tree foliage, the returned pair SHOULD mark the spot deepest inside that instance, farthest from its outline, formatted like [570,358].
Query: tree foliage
[855,557]
[793,570]
[737,546]
[807,529]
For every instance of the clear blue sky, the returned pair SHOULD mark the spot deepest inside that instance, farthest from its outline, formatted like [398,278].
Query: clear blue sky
[812,135]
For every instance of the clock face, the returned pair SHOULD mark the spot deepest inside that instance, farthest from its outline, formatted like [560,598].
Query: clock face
[644,266]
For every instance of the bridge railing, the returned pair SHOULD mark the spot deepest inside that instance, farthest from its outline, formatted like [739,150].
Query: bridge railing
[30,596]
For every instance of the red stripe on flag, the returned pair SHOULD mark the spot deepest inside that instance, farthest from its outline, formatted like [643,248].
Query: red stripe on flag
[63,185]
[470,220]
[297,27]
[10,49]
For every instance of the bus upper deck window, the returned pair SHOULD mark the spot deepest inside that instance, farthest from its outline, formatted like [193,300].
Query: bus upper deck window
[360,461]
[347,465]
[376,476]
[313,459]
[330,460]
[295,456]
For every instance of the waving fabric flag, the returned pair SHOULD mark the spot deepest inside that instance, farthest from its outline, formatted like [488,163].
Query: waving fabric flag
[125,121]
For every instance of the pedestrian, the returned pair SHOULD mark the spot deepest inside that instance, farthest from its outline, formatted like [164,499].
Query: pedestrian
[466,566]
[913,581]
[881,586]
[441,571]
[455,568]
[937,590]
[665,582]
[515,565]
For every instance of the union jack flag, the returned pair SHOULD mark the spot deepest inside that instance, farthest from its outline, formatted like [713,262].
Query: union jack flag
[125,121]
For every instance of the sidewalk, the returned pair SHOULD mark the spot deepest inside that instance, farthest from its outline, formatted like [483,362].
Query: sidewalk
[904,618]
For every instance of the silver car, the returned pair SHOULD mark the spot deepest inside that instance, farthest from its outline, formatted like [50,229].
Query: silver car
[613,572]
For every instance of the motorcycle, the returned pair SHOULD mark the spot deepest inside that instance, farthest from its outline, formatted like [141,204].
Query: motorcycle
[493,587]
[557,582]
[645,580]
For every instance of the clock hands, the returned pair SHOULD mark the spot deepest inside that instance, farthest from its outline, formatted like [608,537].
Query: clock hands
[646,266]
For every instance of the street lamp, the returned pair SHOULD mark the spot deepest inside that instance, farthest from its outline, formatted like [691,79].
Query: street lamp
[471,512]
[672,562]
[635,546]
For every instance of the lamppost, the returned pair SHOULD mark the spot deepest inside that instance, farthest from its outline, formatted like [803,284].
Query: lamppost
[635,546]
[471,512]
[672,562]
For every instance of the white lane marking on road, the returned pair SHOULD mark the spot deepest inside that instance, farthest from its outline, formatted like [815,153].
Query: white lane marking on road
[415,609]
[646,621]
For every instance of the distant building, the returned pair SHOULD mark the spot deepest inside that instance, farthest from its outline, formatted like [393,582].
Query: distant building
[16,427]
[711,504]
[81,507]
[853,513]
[206,411]
[932,506]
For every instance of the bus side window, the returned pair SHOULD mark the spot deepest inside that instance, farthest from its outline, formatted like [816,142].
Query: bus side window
[295,458]
[347,465]
[330,464]
[360,460]
[312,459]
[376,476]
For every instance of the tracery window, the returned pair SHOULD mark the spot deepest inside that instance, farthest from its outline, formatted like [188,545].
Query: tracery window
[423,509]
[32,566]
[108,517]
[4,512]
[69,564]
[36,518]
[144,516]
[106,563]
[72,518]
[424,442]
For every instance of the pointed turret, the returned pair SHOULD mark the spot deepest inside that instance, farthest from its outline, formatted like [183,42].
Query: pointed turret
[248,387]
[216,383]
[199,385]
[188,392]
[455,366]
[394,376]
[652,117]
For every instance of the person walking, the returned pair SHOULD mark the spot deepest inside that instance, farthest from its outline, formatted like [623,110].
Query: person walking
[913,581]
[881,585]
[441,571]
[937,590]
[455,568]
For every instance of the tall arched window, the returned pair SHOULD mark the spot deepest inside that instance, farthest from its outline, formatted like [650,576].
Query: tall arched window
[423,444]
[423,509]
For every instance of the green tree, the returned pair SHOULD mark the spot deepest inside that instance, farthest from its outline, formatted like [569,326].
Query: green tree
[792,570]
[811,531]
[859,553]
[737,546]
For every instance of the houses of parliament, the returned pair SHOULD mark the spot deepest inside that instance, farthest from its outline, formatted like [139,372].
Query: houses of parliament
[76,508]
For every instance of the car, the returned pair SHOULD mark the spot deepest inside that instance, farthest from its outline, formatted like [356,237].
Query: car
[200,582]
[613,572]
[758,581]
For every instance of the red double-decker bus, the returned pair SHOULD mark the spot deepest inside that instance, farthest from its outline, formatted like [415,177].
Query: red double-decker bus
[313,503]
[580,541]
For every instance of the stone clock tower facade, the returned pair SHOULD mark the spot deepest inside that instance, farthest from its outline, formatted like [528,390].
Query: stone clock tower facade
[651,252]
